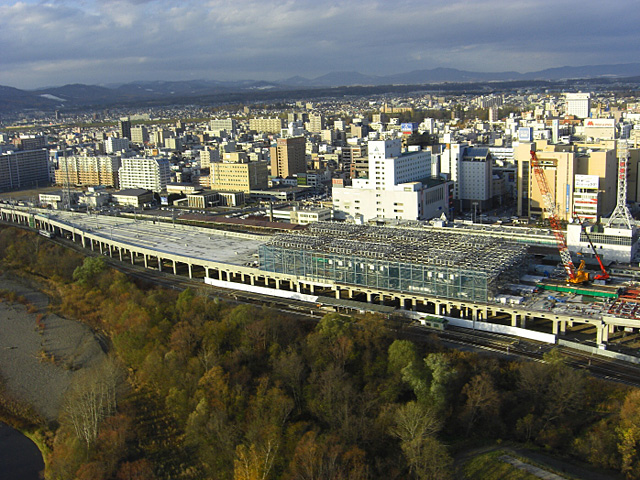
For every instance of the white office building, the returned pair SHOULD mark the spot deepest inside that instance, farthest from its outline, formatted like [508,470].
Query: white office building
[578,104]
[145,173]
[400,185]
[115,144]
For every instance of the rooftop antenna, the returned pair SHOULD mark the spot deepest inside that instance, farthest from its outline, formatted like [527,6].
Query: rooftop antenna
[621,214]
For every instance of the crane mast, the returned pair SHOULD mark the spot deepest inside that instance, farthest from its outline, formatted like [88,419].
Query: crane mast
[574,275]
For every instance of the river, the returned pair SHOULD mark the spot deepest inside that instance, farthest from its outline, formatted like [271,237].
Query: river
[20,459]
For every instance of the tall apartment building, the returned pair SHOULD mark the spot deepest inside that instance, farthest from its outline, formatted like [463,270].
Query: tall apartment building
[316,123]
[139,134]
[578,104]
[288,157]
[207,157]
[399,186]
[266,125]
[115,144]
[24,168]
[88,170]
[580,180]
[354,159]
[125,128]
[146,173]
[470,170]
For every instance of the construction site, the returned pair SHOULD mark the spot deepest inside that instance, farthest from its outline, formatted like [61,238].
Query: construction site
[407,260]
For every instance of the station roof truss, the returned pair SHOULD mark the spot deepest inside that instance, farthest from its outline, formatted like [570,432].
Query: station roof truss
[491,256]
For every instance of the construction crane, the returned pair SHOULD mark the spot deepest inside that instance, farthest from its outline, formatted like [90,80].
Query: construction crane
[600,276]
[574,275]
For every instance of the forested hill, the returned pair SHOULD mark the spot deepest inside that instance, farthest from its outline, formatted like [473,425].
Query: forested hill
[211,390]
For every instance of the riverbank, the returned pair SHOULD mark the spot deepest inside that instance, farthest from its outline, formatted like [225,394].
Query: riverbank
[40,352]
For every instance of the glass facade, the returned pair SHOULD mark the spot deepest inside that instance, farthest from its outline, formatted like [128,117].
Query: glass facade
[378,273]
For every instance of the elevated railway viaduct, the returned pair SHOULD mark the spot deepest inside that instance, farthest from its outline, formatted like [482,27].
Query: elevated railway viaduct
[140,249]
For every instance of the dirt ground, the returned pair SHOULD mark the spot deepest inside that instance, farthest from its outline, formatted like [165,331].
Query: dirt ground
[37,365]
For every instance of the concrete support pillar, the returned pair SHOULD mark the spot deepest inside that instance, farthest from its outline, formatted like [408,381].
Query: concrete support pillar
[475,314]
[514,320]
[133,257]
[83,241]
[175,268]
[414,304]
[602,334]
[312,288]
[554,329]
[337,292]
[298,289]
[206,272]
[100,244]
[369,297]
[110,250]
[523,321]
[159,264]
[252,279]
[349,293]
[277,284]
[120,253]
[190,270]
[146,261]
[563,327]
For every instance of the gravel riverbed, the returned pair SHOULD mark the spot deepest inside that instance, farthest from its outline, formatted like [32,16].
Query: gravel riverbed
[68,345]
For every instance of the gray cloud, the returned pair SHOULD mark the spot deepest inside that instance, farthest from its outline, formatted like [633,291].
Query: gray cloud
[87,41]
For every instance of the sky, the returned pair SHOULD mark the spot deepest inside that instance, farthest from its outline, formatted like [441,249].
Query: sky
[102,42]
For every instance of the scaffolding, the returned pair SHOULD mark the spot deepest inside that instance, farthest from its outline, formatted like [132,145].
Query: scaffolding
[404,259]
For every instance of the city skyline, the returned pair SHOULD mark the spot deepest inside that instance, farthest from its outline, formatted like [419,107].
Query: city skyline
[119,41]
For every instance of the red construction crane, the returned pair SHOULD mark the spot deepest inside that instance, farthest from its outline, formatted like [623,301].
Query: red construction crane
[574,275]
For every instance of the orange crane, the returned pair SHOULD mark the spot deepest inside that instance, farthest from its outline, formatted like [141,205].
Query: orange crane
[574,275]
[600,276]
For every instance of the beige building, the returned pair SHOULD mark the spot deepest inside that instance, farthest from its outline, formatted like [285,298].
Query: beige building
[266,125]
[580,180]
[88,170]
[236,174]
[288,157]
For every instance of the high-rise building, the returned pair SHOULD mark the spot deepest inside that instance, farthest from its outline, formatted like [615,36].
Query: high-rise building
[316,123]
[354,160]
[207,157]
[24,168]
[125,128]
[470,170]
[400,185]
[579,181]
[288,157]
[139,134]
[147,173]
[88,170]
[115,144]
[228,124]
[236,174]
[578,104]
[266,125]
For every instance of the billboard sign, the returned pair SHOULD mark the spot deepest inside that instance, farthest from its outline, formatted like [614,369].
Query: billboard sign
[525,134]
[600,122]
[587,181]
[408,127]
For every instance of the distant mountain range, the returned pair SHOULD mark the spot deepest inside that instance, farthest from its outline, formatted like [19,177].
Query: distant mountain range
[157,92]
